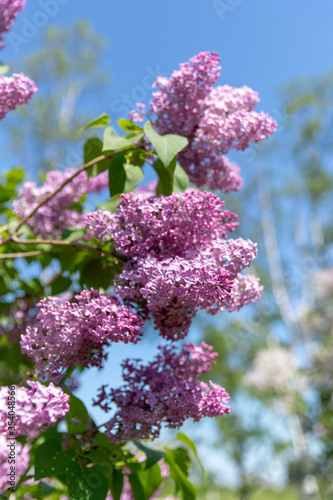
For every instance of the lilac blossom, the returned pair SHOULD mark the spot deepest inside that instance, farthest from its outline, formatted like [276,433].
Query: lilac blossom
[246,289]
[35,408]
[71,333]
[178,257]
[217,171]
[178,100]
[8,12]
[14,90]
[166,391]
[98,224]
[174,289]
[214,119]
[137,115]
[22,460]
[169,225]
[56,214]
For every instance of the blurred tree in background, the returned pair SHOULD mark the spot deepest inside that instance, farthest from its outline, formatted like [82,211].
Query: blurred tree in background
[70,82]
[281,355]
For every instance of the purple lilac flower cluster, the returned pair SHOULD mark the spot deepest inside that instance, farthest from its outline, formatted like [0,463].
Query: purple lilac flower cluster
[137,115]
[35,408]
[169,225]
[14,90]
[71,333]
[18,88]
[98,224]
[179,260]
[56,214]
[22,460]
[214,120]
[167,390]
[8,12]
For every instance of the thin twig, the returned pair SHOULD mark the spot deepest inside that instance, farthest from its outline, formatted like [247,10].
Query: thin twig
[67,247]
[33,253]
[7,226]
[84,167]
[72,244]
[28,375]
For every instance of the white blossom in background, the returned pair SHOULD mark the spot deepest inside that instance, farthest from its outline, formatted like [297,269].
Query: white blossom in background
[275,369]
[324,283]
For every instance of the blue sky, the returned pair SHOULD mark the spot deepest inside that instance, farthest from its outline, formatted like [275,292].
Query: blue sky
[262,44]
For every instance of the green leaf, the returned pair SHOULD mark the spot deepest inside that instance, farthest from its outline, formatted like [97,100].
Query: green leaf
[165,176]
[134,176]
[45,489]
[186,488]
[102,459]
[185,439]
[171,179]
[77,409]
[136,157]
[3,287]
[153,456]
[6,194]
[181,457]
[129,126]
[86,484]
[97,273]
[166,146]
[3,69]
[74,235]
[114,451]
[123,177]
[60,285]
[51,460]
[112,142]
[117,484]
[93,148]
[137,487]
[73,480]
[15,176]
[100,121]
[180,180]
[70,260]
[78,428]
[112,204]
[57,465]
[145,482]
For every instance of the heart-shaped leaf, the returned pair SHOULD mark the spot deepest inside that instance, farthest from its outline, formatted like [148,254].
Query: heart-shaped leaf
[166,146]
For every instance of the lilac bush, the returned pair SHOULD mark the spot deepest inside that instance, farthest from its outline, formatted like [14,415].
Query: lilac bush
[160,253]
